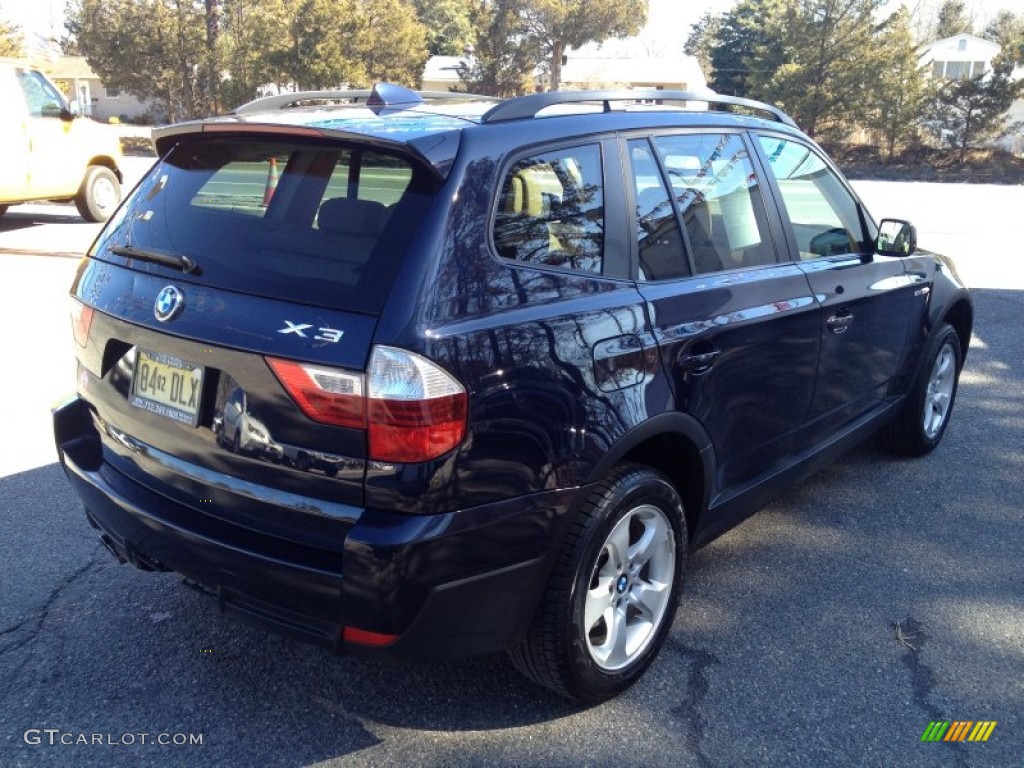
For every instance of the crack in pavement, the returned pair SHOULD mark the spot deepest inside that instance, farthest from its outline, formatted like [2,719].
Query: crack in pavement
[697,686]
[922,677]
[32,624]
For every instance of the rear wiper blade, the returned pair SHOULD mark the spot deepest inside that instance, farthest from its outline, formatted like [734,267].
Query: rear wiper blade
[184,263]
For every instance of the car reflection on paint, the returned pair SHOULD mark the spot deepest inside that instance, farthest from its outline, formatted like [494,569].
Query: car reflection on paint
[242,433]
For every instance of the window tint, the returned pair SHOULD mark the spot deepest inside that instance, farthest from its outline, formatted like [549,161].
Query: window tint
[248,181]
[309,222]
[657,230]
[716,190]
[551,210]
[823,214]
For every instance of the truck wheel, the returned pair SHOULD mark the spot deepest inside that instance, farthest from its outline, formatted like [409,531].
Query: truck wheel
[99,194]
[3,210]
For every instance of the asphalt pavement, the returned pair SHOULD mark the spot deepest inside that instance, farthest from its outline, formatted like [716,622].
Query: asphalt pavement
[830,629]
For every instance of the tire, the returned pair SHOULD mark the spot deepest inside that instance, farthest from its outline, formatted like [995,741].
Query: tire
[99,195]
[919,427]
[604,616]
[3,209]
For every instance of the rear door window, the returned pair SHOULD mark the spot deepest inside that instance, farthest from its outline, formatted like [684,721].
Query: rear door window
[308,222]
[718,194]
[659,240]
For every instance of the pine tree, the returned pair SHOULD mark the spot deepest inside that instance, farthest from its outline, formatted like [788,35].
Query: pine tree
[967,113]
[902,92]
[10,40]
[952,19]
[558,25]
[505,52]
[448,23]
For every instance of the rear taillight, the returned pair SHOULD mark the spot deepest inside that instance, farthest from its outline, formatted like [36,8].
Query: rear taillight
[412,409]
[81,321]
[326,395]
[417,410]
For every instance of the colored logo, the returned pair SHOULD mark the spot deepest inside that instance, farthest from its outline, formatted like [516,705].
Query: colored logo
[169,302]
[958,730]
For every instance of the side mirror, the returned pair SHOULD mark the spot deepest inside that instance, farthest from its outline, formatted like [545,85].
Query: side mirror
[896,237]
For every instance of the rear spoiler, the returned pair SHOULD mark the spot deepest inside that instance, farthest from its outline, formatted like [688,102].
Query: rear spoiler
[436,153]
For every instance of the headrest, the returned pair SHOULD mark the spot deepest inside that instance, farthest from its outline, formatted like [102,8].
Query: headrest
[349,216]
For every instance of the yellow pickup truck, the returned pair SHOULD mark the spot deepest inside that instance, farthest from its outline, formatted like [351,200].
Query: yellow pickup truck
[49,152]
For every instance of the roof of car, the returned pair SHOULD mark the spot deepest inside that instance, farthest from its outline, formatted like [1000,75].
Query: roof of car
[430,123]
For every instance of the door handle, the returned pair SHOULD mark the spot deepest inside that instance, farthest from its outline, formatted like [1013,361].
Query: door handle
[700,362]
[838,323]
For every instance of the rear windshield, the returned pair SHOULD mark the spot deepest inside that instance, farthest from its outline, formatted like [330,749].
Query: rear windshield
[317,223]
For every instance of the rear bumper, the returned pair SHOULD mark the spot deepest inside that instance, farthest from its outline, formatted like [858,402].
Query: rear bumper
[445,585]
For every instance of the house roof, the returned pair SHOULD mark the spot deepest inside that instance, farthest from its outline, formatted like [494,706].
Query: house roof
[443,68]
[648,70]
[951,45]
[71,68]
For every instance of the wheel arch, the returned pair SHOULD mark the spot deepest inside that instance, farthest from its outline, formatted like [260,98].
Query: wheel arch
[961,316]
[107,162]
[677,446]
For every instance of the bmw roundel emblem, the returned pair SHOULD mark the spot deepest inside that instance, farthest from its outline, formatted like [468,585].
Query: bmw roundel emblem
[169,303]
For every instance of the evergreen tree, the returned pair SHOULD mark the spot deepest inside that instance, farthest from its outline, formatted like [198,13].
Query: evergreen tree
[832,63]
[749,43]
[953,19]
[702,39]
[10,40]
[1007,29]
[152,48]
[449,25]
[902,91]
[389,42]
[558,25]
[969,112]
[505,51]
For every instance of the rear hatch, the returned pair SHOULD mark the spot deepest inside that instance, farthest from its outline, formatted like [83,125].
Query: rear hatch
[225,318]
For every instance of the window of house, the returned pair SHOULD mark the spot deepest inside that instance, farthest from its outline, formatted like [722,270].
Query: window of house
[958,70]
[821,211]
[111,93]
[551,210]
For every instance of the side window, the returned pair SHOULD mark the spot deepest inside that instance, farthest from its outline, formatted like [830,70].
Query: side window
[823,214]
[41,98]
[551,210]
[716,190]
[662,255]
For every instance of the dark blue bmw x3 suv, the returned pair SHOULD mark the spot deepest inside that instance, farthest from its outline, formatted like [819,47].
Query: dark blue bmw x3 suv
[426,375]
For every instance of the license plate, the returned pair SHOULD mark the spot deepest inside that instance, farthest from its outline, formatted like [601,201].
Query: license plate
[167,386]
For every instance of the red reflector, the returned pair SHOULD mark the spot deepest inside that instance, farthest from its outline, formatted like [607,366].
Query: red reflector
[326,395]
[365,637]
[81,321]
[409,431]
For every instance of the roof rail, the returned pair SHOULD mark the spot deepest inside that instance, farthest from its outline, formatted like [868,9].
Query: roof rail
[526,107]
[383,95]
